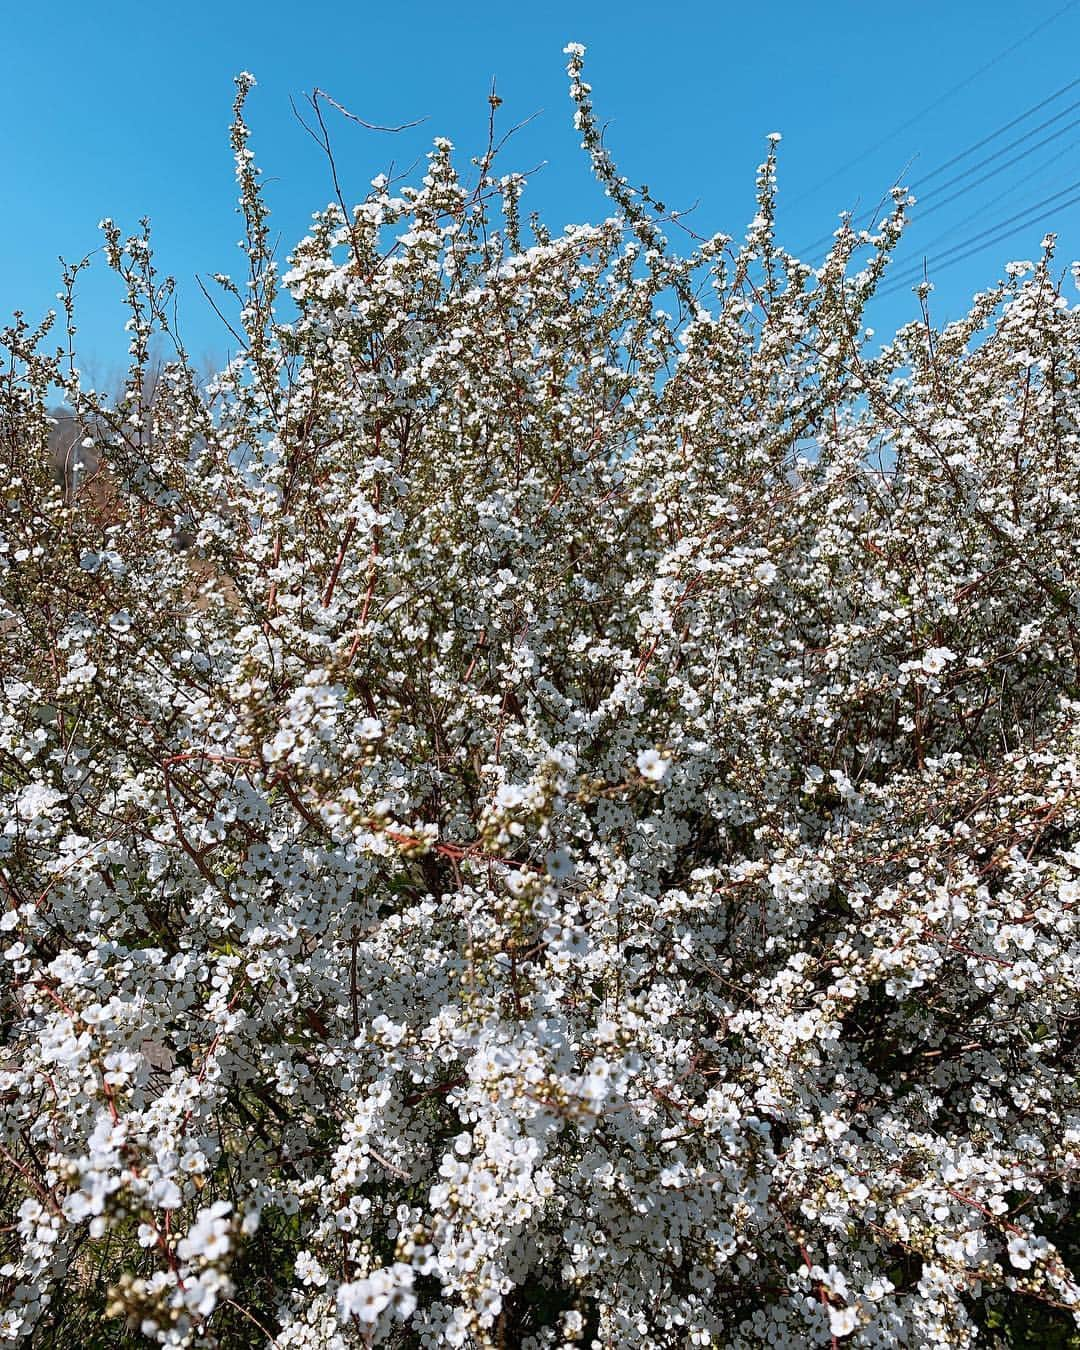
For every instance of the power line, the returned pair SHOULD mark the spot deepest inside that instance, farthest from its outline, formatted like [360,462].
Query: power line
[991,229]
[825,239]
[1000,131]
[1019,182]
[943,98]
[1004,150]
[993,173]
[1000,234]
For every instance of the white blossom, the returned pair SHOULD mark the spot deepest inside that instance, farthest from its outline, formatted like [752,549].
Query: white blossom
[541,803]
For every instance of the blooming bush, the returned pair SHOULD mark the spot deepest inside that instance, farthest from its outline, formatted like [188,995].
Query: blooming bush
[547,812]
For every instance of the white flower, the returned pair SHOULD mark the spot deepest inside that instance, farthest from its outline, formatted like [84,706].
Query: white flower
[209,1236]
[843,1321]
[813,779]
[559,864]
[936,659]
[308,1269]
[280,745]
[364,1299]
[573,1324]
[38,799]
[651,765]
[509,796]
[765,572]
[517,882]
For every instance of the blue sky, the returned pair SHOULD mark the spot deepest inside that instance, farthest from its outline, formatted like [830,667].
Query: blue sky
[123,110]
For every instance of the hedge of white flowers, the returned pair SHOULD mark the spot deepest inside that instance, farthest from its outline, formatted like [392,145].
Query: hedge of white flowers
[546,810]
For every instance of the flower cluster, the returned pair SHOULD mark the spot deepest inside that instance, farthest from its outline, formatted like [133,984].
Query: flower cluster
[547,813]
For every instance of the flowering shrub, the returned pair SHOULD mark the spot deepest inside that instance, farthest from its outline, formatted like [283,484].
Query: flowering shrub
[548,812]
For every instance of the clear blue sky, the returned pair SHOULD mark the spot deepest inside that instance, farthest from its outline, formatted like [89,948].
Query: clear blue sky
[122,109]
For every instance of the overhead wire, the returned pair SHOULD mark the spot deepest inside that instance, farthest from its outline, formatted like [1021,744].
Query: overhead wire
[1010,191]
[993,173]
[1001,231]
[936,103]
[1022,117]
[992,229]
[989,159]
[1004,150]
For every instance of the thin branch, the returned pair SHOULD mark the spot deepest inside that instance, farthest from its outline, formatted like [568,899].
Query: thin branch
[368,126]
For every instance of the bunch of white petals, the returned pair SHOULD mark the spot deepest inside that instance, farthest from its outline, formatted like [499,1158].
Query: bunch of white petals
[542,807]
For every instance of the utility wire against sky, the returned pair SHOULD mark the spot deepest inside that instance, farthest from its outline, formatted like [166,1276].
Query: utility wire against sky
[989,159]
[993,173]
[936,103]
[1003,230]
[993,229]
[1038,107]
[935,192]
[1010,191]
